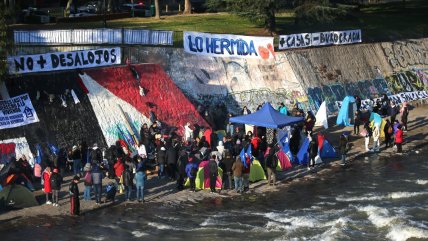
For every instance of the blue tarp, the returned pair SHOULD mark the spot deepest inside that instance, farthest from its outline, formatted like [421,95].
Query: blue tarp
[268,117]
[327,150]
[343,116]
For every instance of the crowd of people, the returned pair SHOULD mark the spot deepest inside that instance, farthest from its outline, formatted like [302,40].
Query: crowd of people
[177,158]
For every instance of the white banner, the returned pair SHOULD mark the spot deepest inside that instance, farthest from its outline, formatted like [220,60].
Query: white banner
[223,45]
[303,40]
[17,111]
[398,98]
[64,60]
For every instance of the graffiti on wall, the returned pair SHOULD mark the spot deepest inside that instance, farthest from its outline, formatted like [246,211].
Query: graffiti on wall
[407,81]
[331,93]
[255,97]
[405,54]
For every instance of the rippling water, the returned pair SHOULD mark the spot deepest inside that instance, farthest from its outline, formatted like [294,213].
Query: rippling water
[376,199]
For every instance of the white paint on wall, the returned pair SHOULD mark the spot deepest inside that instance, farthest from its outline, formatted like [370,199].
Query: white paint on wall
[21,148]
[105,105]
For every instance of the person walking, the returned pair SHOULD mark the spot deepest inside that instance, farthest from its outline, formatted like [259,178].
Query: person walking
[161,160]
[376,135]
[399,139]
[191,170]
[213,168]
[343,148]
[74,196]
[97,182]
[55,181]
[271,164]
[237,168]
[47,184]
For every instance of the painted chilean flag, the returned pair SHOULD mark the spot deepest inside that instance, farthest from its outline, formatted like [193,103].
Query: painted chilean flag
[111,89]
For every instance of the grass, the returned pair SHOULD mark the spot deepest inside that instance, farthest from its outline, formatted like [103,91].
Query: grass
[382,22]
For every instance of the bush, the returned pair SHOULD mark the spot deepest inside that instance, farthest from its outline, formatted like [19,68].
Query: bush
[312,14]
[214,6]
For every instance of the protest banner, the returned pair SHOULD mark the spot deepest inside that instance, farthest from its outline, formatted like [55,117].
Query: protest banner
[17,111]
[303,40]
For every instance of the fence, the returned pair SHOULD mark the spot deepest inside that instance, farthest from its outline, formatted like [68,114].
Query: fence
[93,36]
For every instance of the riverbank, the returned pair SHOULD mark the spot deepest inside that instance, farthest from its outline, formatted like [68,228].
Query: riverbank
[161,192]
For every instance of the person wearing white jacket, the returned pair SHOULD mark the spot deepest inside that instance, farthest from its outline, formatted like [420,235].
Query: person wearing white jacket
[376,135]
[188,133]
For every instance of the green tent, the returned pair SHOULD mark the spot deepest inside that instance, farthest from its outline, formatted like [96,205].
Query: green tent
[16,196]
[256,172]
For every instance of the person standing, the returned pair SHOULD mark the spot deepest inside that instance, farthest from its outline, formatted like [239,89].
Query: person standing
[213,168]
[171,158]
[343,148]
[367,135]
[246,172]
[404,115]
[97,182]
[376,135]
[74,196]
[87,182]
[394,112]
[191,171]
[237,168]
[312,151]
[389,131]
[229,125]
[76,155]
[47,184]
[399,138]
[271,164]
[309,122]
[357,122]
[55,181]
[161,160]
[181,169]
[226,165]
[127,182]
[140,179]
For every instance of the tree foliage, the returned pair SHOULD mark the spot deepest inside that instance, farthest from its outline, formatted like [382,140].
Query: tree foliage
[262,11]
[4,41]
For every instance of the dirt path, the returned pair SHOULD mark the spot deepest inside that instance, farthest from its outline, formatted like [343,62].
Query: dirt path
[165,193]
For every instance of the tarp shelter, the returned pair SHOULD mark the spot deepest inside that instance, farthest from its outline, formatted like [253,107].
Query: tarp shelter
[346,112]
[16,196]
[321,116]
[267,117]
[303,155]
[202,180]
[325,149]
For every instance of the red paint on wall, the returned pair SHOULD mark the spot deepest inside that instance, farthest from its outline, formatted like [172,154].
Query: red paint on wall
[171,106]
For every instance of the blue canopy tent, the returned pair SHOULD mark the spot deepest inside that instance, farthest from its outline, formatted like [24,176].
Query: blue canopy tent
[267,117]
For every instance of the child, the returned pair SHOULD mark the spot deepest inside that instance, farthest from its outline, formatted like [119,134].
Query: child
[110,192]
[47,183]
[191,170]
[74,196]
[55,181]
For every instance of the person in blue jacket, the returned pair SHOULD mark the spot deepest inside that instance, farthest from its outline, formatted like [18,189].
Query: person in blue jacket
[191,170]
[140,178]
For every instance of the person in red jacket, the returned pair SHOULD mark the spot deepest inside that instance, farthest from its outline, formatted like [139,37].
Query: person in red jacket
[399,138]
[118,169]
[47,183]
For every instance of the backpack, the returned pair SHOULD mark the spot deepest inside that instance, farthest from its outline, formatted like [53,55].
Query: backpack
[88,178]
[390,130]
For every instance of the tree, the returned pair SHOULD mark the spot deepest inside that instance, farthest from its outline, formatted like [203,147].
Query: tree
[4,41]
[187,7]
[261,11]
[157,11]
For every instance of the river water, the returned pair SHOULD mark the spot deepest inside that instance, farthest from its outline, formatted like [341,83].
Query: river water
[375,199]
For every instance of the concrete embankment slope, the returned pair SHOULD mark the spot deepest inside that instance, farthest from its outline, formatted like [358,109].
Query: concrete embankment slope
[307,75]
